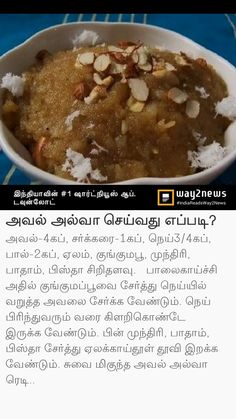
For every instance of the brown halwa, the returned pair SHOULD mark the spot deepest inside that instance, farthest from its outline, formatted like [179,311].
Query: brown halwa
[116,112]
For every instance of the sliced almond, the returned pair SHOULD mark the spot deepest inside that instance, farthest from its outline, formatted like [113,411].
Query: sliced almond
[113,48]
[118,57]
[107,82]
[192,108]
[87,58]
[103,82]
[139,55]
[78,63]
[145,67]
[129,50]
[102,62]
[130,101]
[139,89]
[137,106]
[116,68]
[170,124]
[177,95]
[135,57]
[180,59]
[163,125]
[170,67]
[98,80]
[143,56]
[97,93]
[124,127]
[134,105]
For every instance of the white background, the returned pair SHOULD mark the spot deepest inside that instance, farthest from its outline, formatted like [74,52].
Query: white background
[152,394]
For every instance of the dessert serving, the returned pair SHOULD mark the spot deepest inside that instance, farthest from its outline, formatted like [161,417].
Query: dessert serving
[103,113]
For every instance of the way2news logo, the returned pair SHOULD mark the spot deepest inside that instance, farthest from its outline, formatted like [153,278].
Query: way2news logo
[165,197]
[197,197]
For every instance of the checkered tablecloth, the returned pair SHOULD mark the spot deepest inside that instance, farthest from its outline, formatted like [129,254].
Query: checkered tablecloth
[214,31]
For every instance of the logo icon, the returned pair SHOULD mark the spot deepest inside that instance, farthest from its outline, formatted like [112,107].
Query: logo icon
[165,197]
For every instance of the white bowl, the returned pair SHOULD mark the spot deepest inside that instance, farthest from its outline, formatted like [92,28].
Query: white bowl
[60,37]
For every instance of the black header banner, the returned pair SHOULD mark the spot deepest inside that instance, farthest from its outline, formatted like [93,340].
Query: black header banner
[107,6]
[110,197]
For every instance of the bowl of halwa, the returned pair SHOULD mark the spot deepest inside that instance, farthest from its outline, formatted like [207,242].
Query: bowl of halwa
[117,103]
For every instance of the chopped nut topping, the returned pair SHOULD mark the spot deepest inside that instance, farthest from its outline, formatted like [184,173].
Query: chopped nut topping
[124,127]
[103,82]
[98,80]
[130,49]
[170,124]
[86,58]
[78,63]
[119,57]
[97,93]
[135,56]
[102,62]
[117,68]
[134,105]
[145,67]
[139,89]
[113,48]
[165,125]
[177,95]
[182,59]
[169,67]
[108,81]
[192,108]
[142,54]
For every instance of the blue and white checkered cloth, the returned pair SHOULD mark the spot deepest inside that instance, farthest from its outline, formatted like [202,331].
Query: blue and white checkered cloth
[214,31]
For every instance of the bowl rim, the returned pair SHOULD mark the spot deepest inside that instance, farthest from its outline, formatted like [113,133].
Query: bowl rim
[35,172]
